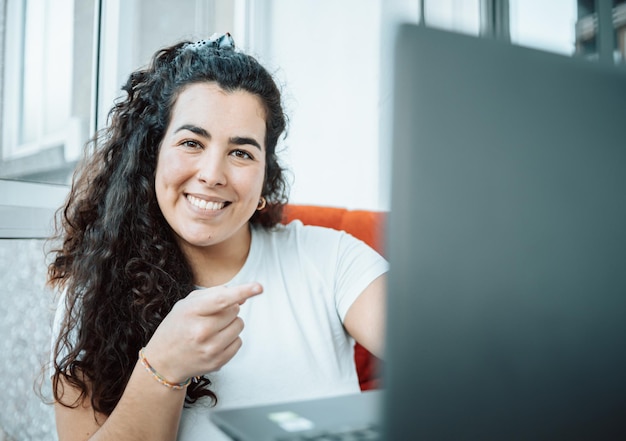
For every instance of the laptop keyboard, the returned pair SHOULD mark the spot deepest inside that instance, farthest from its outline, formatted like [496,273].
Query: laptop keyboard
[353,434]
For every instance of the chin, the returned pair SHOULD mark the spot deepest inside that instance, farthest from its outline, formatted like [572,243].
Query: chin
[195,239]
[201,242]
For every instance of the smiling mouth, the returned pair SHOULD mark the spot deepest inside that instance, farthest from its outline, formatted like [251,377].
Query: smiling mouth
[206,205]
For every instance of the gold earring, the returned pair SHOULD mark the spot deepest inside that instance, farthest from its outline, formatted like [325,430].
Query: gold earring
[262,203]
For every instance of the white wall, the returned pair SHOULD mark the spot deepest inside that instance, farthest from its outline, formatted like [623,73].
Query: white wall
[326,54]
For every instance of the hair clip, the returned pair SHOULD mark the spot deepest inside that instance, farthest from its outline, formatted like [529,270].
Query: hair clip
[217,41]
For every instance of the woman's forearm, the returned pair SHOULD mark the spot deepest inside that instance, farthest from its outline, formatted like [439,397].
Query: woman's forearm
[147,410]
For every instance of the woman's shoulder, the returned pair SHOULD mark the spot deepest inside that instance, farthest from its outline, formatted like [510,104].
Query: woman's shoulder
[295,232]
[298,240]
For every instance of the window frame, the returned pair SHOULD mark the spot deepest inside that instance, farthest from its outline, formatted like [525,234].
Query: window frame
[27,209]
[14,25]
[13,101]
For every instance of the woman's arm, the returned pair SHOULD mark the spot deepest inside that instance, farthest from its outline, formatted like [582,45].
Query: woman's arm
[365,319]
[146,411]
[199,335]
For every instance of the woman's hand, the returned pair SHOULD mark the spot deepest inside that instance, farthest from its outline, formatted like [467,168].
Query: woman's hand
[201,332]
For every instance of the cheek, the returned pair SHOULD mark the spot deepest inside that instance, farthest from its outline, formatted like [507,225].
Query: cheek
[260,181]
[159,187]
[159,176]
[165,178]
[170,171]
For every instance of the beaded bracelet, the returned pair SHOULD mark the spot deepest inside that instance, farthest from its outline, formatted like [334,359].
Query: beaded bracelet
[158,377]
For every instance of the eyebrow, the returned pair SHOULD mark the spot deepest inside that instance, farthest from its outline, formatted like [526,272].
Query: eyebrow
[194,129]
[242,140]
[237,140]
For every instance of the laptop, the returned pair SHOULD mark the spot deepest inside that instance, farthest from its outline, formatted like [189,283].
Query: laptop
[355,415]
[507,245]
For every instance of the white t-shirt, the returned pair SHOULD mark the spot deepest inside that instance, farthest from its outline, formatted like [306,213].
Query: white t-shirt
[294,343]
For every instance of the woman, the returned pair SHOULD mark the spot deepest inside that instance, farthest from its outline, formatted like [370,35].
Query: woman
[170,242]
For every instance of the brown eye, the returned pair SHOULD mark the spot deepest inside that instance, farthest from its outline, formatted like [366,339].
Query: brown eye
[191,144]
[241,154]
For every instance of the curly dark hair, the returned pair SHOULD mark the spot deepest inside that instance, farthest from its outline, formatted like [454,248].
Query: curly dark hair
[117,259]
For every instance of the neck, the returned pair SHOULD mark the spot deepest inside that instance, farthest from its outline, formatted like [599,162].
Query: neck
[217,264]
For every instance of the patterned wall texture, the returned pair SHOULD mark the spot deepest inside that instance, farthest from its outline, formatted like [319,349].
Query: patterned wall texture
[26,312]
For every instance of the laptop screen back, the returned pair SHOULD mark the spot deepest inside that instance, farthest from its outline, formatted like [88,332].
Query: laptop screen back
[507,243]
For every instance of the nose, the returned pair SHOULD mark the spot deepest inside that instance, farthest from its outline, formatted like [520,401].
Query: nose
[212,170]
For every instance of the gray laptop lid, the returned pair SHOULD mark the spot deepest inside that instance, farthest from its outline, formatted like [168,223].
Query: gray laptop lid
[300,420]
[507,244]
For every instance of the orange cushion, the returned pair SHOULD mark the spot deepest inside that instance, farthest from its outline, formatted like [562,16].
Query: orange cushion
[365,225]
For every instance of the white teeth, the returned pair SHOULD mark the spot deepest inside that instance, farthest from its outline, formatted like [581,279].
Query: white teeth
[205,205]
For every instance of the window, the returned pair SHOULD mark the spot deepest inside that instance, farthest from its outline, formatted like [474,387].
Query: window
[47,83]
[619,23]
[601,30]
[454,15]
[544,25]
